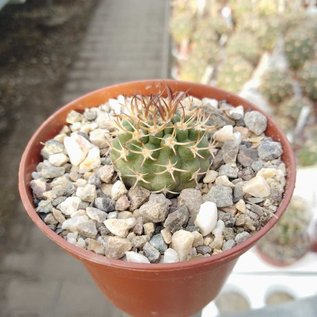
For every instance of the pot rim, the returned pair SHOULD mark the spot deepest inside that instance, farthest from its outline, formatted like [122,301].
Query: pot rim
[84,254]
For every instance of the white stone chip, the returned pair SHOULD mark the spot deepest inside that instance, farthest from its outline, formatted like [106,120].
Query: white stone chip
[58,159]
[182,243]
[118,189]
[70,205]
[136,257]
[224,134]
[206,219]
[170,256]
[257,187]
[77,148]
[120,227]
[91,162]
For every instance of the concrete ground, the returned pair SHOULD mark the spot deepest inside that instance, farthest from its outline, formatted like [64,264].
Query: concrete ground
[126,40]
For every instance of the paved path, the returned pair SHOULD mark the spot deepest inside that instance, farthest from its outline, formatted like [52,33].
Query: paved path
[126,40]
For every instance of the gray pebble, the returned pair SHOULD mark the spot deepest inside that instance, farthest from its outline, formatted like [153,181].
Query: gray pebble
[257,165]
[158,242]
[52,147]
[229,170]
[87,229]
[151,252]
[247,155]
[230,151]
[203,249]
[58,200]
[255,121]
[44,206]
[238,191]
[228,219]
[138,228]
[220,195]
[246,174]
[38,186]
[50,220]
[269,150]
[177,219]
[50,171]
[228,233]
[105,203]
[242,236]
[191,198]
[229,244]
[137,197]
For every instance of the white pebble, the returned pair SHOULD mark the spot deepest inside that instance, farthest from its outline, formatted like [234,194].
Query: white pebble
[91,162]
[224,134]
[136,257]
[210,176]
[182,243]
[237,112]
[210,102]
[207,216]
[170,256]
[223,180]
[240,205]
[118,189]
[87,193]
[71,224]
[58,159]
[120,227]
[69,206]
[76,148]
[257,187]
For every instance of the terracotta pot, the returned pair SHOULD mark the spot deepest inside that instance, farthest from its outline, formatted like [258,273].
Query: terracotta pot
[169,290]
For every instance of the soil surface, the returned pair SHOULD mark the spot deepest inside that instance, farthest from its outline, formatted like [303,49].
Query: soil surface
[38,44]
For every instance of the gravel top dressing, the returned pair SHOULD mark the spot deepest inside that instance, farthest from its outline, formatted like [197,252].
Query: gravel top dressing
[159,180]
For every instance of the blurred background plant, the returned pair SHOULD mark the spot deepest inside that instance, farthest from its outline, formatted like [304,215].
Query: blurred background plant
[265,50]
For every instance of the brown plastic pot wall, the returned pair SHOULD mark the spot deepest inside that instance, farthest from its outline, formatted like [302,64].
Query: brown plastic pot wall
[167,290]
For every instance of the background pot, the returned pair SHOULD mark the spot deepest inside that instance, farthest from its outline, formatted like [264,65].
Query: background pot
[178,289]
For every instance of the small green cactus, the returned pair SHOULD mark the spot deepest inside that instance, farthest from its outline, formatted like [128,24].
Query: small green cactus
[192,69]
[234,73]
[294,222]
[182,26]
[244,44]
[276,85]
[266,7]
[308,78]
[160,146]
[266,30]
[307,154]
[288,240]
[292,107]
[299,47]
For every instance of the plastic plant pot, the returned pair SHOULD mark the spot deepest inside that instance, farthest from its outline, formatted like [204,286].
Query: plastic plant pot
[169,290]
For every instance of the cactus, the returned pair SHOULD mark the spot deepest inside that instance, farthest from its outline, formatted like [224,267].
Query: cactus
[292,107]
[245,45]
[288,240]
[182,26]
[233,73]
[299,47]
[266,7]
[292,224]
[308,78]
[307,154]
[276,85]
[192,70]
[160,146]
[266,30]
[204,50]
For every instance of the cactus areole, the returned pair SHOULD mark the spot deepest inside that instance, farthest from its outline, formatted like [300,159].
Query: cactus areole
[159,145]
